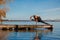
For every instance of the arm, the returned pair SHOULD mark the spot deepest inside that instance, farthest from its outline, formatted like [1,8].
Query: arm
[31,18]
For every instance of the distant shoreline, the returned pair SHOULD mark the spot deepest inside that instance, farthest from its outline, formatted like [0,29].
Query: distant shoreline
[30,20]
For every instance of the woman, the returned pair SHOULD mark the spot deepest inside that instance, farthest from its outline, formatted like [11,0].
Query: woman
[37,19]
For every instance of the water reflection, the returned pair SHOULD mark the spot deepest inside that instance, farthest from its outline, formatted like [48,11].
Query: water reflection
[39,33]
[23,34]
[3,34]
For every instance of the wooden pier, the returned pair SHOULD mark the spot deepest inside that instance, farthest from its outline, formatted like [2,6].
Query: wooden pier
[24,26]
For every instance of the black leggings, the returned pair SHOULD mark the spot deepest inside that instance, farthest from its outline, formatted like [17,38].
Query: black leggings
[39,20]
[43,22]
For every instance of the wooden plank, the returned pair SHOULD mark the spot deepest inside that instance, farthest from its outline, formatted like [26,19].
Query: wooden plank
[25,26]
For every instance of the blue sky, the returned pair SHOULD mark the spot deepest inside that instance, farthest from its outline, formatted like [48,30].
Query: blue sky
[23,9]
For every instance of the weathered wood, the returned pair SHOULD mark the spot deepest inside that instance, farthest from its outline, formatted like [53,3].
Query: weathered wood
[24,26]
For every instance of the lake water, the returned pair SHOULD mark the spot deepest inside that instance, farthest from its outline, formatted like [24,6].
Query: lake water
[43,34]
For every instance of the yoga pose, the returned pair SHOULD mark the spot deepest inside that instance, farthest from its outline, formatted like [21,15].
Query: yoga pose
[37,19]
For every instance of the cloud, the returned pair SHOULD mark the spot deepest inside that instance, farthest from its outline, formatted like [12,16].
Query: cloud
[50,10]
[53,13]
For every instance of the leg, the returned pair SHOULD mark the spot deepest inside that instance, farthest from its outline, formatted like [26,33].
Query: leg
[44,22]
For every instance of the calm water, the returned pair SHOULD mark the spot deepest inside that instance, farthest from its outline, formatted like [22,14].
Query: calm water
[44,34]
